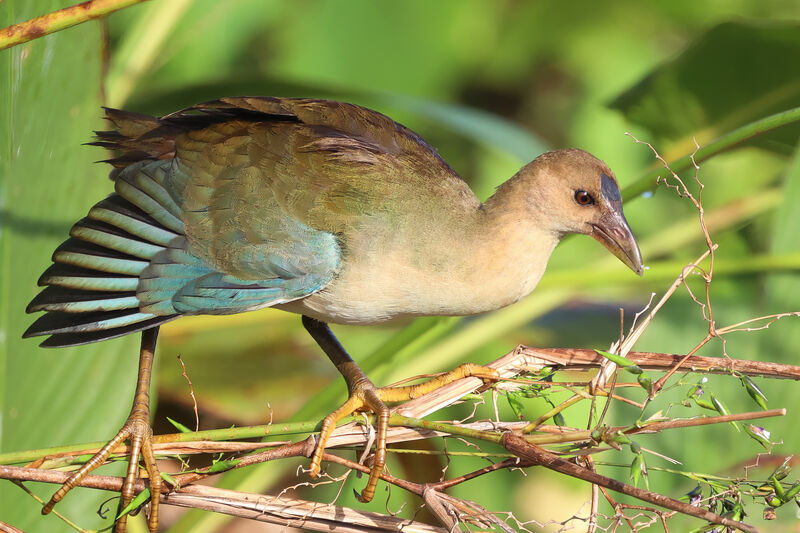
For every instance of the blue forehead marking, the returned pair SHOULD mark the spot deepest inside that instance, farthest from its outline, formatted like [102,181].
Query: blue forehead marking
[610,191]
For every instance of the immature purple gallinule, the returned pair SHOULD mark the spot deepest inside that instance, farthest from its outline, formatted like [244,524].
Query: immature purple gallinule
[321,208]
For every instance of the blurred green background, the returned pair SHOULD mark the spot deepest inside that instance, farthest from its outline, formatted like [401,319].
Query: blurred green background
[490,85]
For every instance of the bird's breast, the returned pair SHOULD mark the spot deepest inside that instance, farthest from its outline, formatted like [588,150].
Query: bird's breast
[433,273]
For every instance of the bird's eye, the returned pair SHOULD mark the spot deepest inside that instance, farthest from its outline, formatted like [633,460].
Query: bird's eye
[583,198]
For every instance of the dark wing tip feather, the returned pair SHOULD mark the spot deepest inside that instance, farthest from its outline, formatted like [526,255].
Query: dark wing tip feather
[76,339]
[57,270]
[54,322]
[54,294]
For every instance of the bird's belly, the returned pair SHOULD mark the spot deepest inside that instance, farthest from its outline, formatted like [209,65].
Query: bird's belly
[394,289]
[370,307]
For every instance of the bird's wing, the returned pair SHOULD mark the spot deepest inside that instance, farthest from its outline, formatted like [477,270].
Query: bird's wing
[325,164]
[128,266]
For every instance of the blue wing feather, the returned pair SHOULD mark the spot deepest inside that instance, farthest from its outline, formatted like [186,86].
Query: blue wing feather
[147,254]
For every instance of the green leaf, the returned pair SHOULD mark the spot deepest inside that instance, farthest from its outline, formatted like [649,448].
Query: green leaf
[782,290]
[222,466]
[515,402]
[478,125]
[180,427]
[51,103]
[735,73]
[138,500]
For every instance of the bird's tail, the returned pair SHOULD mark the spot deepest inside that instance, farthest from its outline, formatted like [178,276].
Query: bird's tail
[91,289]
[135,137]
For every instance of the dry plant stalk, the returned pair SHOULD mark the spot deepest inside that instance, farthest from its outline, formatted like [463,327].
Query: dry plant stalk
[60,20]
[527,449]
[519,361]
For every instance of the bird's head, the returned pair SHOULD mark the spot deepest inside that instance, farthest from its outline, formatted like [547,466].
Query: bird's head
[574,192]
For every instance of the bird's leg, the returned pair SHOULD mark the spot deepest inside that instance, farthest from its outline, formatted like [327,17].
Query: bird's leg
[365,396]
[138,432]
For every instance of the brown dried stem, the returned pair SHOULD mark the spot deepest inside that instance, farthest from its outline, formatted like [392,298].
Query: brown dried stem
[540,456]
[60,20]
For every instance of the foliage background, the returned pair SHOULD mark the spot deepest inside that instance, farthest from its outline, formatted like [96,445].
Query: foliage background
[491,85]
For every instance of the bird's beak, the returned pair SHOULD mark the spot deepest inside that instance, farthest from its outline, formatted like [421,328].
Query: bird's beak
[613,232]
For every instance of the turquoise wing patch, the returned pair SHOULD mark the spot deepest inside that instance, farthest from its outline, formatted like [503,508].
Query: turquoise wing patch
[176,281]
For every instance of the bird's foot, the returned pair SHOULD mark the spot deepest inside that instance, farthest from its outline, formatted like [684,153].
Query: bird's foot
[138,432]
[365,396]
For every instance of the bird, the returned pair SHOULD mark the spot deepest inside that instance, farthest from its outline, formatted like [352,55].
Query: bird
[321,208]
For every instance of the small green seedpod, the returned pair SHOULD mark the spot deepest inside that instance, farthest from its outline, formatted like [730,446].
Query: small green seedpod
[135,502]
[637,469]
[719,406]
[622,362]
[773,501]
[778,488]
[516,405]
[621,438]
[758,433]
[793,492]
[705,405]
[783,470]
[222,466]
[755,393]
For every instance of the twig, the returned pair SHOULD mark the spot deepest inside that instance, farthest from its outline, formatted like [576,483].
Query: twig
[60,20]
[8,528]
[531,452]
[191,393]
[616,506]
[284,511]
[579,359]
[292,512]
[721,144]
[520,360]
[593,511]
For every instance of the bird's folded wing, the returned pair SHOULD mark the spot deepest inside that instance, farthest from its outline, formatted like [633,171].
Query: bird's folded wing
[328,165]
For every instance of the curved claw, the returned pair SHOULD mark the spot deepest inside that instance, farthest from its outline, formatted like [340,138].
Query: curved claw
[365,397]
[140,436]
[353,404]
[139,433]
[96,460]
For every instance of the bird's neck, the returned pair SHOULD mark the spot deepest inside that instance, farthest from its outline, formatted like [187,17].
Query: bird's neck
[507,247]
